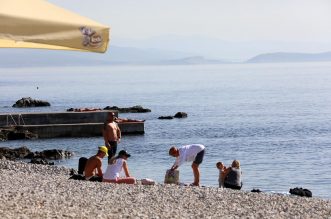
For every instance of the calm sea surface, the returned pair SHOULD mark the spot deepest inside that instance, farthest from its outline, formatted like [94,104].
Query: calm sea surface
[274,118]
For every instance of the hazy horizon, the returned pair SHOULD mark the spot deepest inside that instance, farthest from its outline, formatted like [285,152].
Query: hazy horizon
[234,30]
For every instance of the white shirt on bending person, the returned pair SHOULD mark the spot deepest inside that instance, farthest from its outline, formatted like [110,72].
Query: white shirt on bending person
[188,153]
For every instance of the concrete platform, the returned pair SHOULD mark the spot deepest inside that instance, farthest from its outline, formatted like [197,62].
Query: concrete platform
[54,118]
[66,124]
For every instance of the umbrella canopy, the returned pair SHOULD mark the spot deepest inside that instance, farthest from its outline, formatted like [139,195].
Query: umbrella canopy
[40,24]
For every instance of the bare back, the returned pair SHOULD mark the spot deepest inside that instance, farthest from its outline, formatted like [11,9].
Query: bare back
[92,164]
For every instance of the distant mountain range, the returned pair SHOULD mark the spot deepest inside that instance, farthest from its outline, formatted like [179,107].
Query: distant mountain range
[291,57]
[193,60]
[136,56]
[115,56]
[216,48]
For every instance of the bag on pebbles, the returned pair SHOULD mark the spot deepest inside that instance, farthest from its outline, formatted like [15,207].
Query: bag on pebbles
[171,177]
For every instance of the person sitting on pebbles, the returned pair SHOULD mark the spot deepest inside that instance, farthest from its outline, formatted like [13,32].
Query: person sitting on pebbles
[230,177]
[93,171]
[222,168]
[114,168]
[186,153]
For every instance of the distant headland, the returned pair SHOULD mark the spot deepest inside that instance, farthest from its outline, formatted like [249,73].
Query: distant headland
[17,58]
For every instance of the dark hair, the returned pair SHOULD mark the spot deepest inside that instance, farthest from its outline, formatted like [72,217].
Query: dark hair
[123,153]
[172,150]
[120,155]
[113,159]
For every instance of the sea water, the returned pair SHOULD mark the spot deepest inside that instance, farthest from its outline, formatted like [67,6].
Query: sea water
[274,118]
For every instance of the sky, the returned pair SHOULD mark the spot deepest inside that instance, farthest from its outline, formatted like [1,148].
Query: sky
[234,20]
[216,29]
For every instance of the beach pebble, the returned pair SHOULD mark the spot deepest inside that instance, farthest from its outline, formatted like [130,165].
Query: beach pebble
[39,191]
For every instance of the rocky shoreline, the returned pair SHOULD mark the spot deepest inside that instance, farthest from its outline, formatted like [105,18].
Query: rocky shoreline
[39,191]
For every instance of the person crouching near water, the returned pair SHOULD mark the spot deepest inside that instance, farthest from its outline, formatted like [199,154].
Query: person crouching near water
[230,177]
[92,170]
[115,166]
[193,152]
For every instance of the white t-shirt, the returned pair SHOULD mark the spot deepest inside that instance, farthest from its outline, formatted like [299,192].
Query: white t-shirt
[188,153]
[113,170]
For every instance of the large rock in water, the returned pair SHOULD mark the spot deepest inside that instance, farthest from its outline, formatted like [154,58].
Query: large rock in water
[166,117]
[53,154]
[29,102]
[180,115]
[25,153]
[133,109]
[16,153]
[15,133]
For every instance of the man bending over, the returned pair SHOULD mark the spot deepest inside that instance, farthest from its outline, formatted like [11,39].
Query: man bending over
[187,153]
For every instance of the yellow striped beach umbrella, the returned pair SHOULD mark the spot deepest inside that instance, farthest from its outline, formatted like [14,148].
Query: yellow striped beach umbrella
[40,24]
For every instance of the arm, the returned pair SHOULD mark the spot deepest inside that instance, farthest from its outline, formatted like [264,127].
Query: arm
[174,167]
[105,135]
[118,133]
[176,164]
[225,173]
[126,169]
[99,170]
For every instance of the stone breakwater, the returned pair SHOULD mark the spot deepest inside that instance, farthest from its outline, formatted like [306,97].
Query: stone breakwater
[38,191]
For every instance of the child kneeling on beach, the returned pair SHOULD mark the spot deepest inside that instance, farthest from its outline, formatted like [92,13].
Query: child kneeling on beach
[115,166]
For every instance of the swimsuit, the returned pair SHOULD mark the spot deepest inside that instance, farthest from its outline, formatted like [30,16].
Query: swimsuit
[112,150]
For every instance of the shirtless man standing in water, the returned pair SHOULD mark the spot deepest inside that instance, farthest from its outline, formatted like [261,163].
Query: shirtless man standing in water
[111,134]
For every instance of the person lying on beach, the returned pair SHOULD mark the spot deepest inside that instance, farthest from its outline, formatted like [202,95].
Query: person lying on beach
[230,177]
[186,153]
[114,168]
[123,120]
[93,171]
[86,109]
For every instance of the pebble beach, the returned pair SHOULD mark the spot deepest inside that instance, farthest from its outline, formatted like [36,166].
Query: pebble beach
[41,191]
